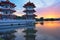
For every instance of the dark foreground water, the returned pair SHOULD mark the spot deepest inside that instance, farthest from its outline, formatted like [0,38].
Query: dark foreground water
[40,31]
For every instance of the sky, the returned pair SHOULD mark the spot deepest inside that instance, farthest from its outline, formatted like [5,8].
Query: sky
[44,8]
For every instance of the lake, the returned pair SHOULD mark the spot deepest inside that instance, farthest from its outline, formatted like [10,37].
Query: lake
[47,30]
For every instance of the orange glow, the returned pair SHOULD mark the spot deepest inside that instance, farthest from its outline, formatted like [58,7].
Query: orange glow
[49,27]
[48,15]
[52,24]
[44,15]
[49,24]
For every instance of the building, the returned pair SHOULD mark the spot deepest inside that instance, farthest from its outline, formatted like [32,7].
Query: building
[29,10]
[6,9]
[8,21]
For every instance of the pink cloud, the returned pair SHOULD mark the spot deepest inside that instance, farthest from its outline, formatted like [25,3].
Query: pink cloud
[53,10]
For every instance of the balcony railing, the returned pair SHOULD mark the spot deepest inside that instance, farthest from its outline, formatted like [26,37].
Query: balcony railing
[7,8]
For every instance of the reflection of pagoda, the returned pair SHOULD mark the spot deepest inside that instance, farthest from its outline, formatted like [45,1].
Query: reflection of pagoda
[30,34]
[8,35]
[29,10]
[6,9]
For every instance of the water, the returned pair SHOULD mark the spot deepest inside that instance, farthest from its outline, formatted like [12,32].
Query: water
[48,30]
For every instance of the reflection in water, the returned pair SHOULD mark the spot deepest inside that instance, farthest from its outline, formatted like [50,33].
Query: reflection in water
[42,22]
[48,30]
[29,30]
[30,33]
[8,35]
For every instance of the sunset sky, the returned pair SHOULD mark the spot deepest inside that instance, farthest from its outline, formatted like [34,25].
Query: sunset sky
[44,8]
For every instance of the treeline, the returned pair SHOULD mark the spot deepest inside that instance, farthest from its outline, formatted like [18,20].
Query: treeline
[48,19]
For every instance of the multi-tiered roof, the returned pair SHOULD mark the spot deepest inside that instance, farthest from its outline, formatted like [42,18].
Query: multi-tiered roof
[7,2]
[6,9]
[29,10]
[7,6]
[29,4]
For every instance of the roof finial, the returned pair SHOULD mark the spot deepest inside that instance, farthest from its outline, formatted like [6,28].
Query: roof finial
[29,0]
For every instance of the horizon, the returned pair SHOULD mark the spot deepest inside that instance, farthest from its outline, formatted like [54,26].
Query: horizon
[46,9]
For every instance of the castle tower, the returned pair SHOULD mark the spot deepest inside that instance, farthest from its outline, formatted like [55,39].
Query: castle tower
[29,10]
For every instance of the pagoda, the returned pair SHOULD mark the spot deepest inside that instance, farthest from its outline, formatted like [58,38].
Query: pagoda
[29,10]
[6,9]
